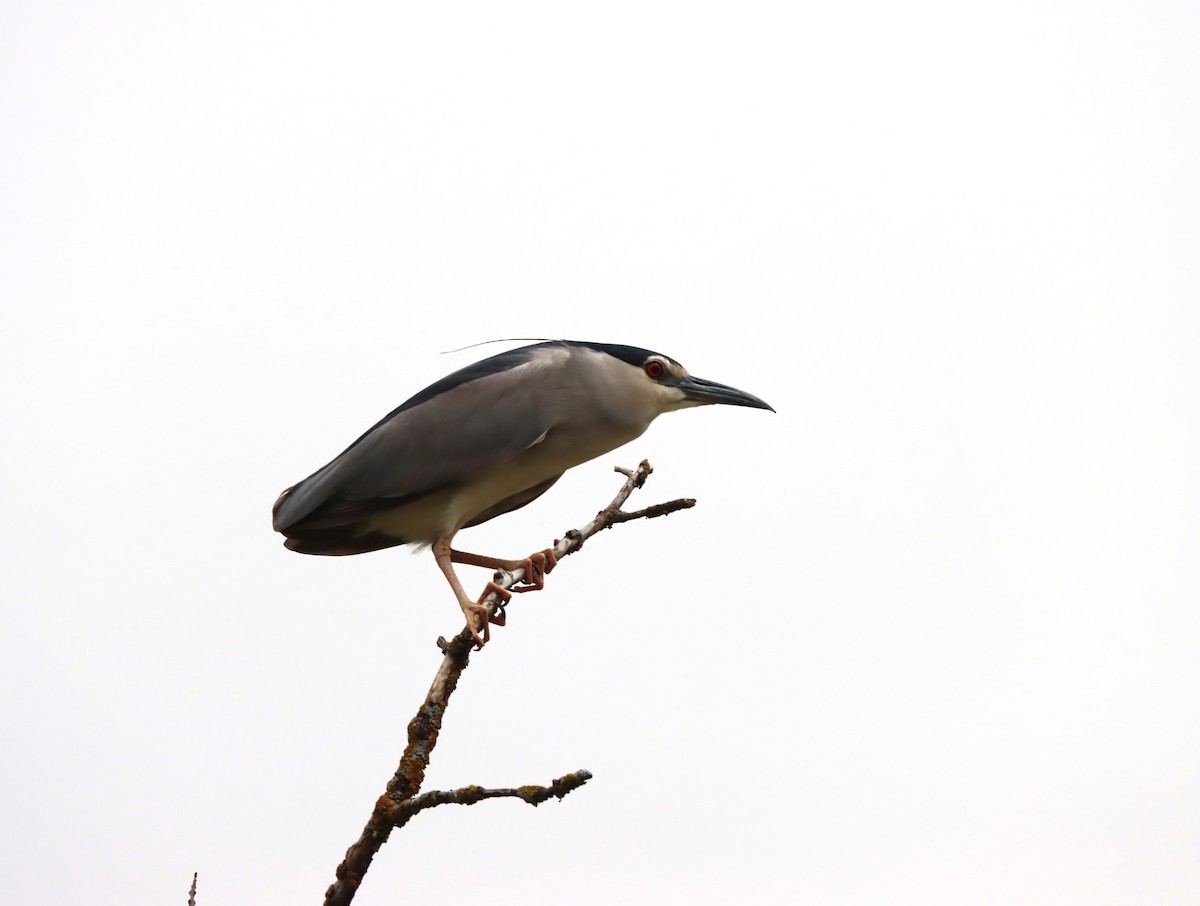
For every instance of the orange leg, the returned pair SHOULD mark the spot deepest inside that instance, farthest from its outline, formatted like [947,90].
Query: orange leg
[475,611]
[535,566]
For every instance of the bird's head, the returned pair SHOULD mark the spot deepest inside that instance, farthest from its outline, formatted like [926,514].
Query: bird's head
[651,383]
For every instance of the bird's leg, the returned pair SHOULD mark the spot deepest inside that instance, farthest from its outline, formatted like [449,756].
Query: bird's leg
[471,609]
[535,566]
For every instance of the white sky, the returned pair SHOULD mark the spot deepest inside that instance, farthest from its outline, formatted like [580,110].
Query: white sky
[930,636]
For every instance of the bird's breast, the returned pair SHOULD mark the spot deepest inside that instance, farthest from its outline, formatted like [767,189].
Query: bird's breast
[549,457]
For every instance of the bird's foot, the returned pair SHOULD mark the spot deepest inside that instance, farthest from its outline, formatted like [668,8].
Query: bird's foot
[536,567]
[478,613]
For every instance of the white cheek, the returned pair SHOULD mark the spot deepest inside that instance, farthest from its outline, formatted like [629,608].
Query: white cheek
[668,399]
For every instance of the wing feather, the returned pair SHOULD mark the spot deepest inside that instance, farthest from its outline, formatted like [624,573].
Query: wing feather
[435,440]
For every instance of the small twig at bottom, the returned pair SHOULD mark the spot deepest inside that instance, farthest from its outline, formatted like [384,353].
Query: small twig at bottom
[469,795]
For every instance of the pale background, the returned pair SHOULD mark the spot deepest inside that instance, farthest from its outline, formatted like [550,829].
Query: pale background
[931,635]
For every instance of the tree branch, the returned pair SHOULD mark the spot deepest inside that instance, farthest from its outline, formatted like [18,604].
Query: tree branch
[469,795]
[401,801]
[651,512]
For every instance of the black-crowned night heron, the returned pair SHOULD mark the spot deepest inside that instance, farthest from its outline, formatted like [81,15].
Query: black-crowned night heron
[484,441]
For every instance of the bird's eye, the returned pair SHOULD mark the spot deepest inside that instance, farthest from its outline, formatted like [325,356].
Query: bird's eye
[655,369]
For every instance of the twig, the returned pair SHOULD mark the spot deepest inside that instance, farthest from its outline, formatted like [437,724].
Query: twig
[606,518]
[401,800]
[651,512]
[469,795]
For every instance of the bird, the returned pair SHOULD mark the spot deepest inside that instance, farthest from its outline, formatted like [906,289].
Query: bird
[482,442]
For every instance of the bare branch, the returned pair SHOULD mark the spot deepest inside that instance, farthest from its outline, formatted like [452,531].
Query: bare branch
[406,782]
[651,512]
[607,517]
[469,795]
[401,800]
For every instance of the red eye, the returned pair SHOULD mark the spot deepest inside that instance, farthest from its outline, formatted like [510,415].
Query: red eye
[655,369]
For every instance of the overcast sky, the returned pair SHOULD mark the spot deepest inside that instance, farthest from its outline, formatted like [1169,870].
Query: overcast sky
[930,635]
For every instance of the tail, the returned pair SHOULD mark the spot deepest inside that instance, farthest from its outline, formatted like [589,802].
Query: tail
[330,532]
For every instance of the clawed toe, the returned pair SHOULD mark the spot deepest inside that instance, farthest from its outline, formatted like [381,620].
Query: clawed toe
[477,613]
[503,596]
[536,568]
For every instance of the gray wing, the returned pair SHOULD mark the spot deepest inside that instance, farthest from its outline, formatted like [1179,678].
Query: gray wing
[441,440]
